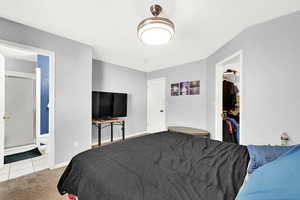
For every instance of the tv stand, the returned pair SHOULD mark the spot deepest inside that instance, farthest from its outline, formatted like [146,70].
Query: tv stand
[112,122]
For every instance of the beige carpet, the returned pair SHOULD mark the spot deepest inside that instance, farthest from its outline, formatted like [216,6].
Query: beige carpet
[38,186]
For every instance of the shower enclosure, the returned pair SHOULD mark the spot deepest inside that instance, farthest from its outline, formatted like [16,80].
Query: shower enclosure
[19,111]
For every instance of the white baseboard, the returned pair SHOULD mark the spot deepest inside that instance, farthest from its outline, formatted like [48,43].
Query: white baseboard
[60,165]
[157,131]
[135,134]
[120,138]
[63,164]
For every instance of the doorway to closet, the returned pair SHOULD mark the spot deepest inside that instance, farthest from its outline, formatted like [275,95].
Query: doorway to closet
[26,114]
[229,99]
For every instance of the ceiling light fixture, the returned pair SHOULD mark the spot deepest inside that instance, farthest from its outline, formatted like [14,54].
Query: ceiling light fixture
[155,30]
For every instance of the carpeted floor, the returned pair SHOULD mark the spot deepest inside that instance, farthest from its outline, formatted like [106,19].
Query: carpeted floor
[38,186]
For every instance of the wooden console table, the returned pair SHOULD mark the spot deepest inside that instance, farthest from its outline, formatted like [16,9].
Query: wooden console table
[112,122]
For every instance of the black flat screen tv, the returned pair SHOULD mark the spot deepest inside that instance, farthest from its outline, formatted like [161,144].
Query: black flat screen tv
[107,105]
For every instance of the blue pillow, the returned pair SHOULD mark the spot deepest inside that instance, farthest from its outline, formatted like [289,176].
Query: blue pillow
[277,180]
[261,155]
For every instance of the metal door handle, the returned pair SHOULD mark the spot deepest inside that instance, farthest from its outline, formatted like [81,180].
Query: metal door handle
[161,110]
[6,117]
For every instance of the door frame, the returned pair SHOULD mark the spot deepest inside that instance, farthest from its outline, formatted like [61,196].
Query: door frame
[220,67]
[51,54]
[2,108]
[37,93]
[163,80]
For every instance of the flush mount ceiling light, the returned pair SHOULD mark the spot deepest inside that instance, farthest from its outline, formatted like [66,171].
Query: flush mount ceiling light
[155,30]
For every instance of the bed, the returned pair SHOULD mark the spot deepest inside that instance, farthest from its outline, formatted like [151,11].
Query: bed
[161,166]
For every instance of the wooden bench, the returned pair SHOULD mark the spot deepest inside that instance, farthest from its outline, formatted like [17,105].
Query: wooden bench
[189,131]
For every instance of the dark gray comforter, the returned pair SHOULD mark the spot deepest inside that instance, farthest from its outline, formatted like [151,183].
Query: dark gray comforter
[162,166]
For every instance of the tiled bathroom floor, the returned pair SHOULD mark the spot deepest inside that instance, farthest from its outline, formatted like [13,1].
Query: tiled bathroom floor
[24,167]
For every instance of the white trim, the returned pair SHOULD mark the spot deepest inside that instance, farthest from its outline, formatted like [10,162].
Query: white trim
[60,165]
[135,134]
[51,55]
[157,131]
[20,149]
[120,138]
[20,75]
[37,106]
[242,97]
[218,103]
[238,53]
[63,164]
[2,108]
[148,106]
[43,139]
[218,96]
[45,135]
[51,143]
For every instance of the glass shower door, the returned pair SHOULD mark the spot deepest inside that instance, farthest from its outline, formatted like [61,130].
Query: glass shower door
[19,112]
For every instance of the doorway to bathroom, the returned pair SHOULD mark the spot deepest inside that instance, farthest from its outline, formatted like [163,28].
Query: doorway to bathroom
[26,110]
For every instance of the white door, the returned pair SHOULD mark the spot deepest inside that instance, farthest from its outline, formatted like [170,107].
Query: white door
[2,107]
[156,105]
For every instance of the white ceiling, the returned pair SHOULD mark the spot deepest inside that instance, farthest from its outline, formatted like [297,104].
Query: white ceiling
[202,26]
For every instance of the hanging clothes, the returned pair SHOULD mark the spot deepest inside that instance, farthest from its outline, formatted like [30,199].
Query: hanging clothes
[231,129]
[237,128]
[229,95]
[229,132]
[234,116]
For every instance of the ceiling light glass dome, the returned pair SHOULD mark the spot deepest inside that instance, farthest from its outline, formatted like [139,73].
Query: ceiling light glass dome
[155,30]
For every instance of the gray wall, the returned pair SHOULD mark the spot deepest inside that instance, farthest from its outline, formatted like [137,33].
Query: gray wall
[112,78]
[270,80]
[73,84]
[18,65]
[185,110]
